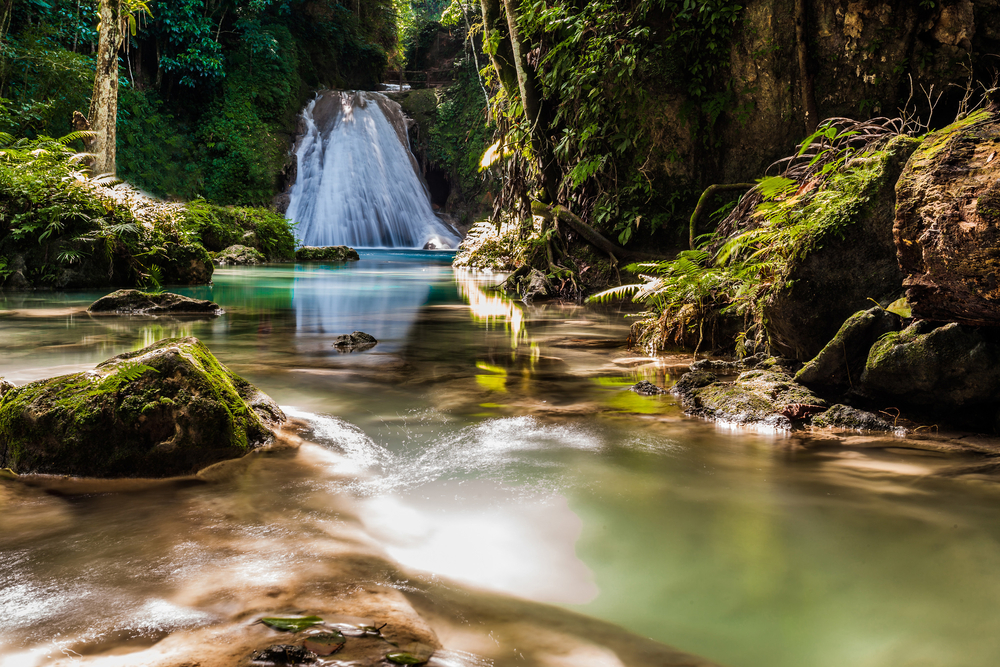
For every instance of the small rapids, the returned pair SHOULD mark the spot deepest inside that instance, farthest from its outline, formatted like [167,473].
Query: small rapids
[357,182]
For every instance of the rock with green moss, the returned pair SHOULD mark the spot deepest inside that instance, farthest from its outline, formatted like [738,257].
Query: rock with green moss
[842,361]
[238,255]
[186,264]
[137,302]
[846,417]
[948,223]
[330,253]
[168,409]
[946,366]
[849,258]
[761,397]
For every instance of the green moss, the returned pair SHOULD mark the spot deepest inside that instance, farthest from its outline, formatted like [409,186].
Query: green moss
[219,227]
[168,409]
[988,204]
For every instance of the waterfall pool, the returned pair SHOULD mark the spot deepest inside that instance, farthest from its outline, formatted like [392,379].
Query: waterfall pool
[495,474]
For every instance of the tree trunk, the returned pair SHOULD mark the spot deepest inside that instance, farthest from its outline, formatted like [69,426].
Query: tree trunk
[531,101]
[503,55]
[805,80]
[104,100]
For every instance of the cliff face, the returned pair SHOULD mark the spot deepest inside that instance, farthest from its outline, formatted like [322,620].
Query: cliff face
[861,56]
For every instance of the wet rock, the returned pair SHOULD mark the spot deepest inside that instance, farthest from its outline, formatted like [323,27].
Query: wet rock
[846,417]
[137,302]
[647,388]
[842,361]
[536,286]
[948,224]
[5,386]
[187,264]
[330,253]
[282,654]
[844,268]
[357,341]
[923,365]
[763,397]
[168,409]
[238,255]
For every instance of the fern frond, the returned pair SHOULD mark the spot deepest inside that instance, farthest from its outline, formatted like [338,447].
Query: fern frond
[614,293]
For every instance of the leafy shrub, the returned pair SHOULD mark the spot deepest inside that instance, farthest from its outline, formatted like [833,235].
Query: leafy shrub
[218,227]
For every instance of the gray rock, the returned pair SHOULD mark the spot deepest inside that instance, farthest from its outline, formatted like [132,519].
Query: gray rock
[136,302]
[846,417]
[728,367]
[168,409]
[842,361]
[647,388]
[759,397]
[282,654]
[357,341]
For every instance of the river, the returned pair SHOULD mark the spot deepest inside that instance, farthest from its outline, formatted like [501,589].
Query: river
[482,468]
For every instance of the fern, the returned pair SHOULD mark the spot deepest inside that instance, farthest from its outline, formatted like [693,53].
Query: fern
[125,373]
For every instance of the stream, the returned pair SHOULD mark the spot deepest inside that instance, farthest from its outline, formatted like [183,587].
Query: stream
[486,466]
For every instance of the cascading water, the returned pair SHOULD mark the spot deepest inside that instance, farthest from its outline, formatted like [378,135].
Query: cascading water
[357,181]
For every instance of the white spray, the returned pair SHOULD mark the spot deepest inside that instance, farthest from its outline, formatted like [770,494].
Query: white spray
[357,183]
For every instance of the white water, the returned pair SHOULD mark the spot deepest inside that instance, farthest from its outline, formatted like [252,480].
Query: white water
[356,183]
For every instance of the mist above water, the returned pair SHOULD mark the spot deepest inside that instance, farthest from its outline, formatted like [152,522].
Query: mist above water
[357,183]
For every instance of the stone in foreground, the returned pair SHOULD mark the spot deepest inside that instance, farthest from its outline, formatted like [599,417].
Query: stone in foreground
[330,253]
[842,361]
[357,341]
[136,302]
[169,409]
[759,397]
[238,255]
[846,417]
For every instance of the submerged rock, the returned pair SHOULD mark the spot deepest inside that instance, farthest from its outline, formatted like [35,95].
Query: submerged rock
[168,409]
[330,253]
[846,417]
[137,302]
[842,361]
[948,224]
[357,341]
[764,397]
[238,255]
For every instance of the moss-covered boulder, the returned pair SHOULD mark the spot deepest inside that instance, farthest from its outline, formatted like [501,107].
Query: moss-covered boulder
[946,367]
[168,409]
[948,223]
[137,302]
[846,417]
[761,397]
[850,260]
[842,361]
[238,255]
[330,253]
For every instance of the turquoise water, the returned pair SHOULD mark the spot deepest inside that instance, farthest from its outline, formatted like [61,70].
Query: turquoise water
[493,454]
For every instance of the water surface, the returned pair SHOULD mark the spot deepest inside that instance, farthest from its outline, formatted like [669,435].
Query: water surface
[477,452]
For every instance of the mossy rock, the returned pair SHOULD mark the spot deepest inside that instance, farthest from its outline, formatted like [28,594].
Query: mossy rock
[331,253]
[762,397]
[842,361]
[168,409]
[238,255]
[137,302]
[846,417]
[945,367]
[187,264]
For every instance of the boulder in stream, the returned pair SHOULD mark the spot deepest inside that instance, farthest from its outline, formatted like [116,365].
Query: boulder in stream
[330,253]
[187,264]
[168,409]
[758,397]
[137,302]
[842,361]
[846,417]
[357,341]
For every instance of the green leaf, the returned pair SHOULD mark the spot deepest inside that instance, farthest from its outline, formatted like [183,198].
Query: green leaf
[403,658]
[291,623]
[901,307]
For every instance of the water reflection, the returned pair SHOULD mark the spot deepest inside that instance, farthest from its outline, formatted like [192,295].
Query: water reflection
[492,308]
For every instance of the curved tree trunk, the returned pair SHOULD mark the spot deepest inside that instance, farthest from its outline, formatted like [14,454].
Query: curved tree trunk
[104,100]
[805,79]
[503,55]
[531,100]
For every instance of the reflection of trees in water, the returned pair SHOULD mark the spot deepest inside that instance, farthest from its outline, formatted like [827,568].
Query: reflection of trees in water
[492,309]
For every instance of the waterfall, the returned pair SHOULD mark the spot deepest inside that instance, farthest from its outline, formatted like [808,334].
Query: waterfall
[357,182]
